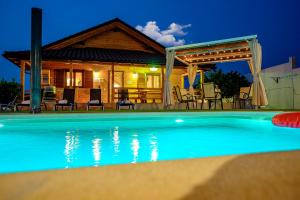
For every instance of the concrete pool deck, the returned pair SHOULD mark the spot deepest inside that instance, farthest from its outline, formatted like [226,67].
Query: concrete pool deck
[254,176]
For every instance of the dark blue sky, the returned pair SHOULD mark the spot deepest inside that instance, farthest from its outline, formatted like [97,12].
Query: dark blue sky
[276,22]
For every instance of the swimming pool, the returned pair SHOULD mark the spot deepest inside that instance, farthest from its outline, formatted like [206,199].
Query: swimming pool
[56,141]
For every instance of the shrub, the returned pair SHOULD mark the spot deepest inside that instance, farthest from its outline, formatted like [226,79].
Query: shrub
[9,90]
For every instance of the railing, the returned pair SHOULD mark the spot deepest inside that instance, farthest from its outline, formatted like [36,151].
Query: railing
[141,95]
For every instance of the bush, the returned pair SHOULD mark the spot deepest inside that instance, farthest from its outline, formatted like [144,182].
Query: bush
[9,90]
[229,83]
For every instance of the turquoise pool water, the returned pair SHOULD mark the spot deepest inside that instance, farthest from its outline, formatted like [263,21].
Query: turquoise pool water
[55,141]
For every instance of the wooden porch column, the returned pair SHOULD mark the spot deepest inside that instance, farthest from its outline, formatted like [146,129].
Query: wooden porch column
[112,82]
[72,83]
[22,79]
[201,77]
[163,82]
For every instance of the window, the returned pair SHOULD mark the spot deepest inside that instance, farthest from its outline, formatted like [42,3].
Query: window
[45,77]
[74,79]
[78,79]
[68,79]
[153,81]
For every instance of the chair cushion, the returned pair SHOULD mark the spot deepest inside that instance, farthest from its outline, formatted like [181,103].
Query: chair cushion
[64,101]
[25,102]
[125,102]
[94,102]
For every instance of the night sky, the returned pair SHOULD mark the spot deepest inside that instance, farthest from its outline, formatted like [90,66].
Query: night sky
[275,22]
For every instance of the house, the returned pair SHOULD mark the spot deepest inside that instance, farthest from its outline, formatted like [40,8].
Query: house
[109,56]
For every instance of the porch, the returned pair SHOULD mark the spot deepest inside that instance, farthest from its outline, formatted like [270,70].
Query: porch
[144,82]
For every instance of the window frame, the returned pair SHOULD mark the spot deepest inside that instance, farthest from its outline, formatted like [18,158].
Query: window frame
[42,75]
[73,80]
[152,75]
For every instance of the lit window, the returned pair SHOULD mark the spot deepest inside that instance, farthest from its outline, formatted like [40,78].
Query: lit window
[68,79]
[78,79]
[45,77]
[75,79]
[153,81]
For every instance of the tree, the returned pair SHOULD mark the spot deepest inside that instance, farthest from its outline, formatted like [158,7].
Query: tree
[9,90]
[229,83]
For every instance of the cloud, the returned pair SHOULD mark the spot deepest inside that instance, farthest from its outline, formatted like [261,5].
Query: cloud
[166,37]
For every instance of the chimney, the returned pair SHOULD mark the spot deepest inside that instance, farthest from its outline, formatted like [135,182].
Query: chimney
[36,58]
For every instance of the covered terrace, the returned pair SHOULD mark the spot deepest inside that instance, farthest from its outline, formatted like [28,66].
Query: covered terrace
[245,48]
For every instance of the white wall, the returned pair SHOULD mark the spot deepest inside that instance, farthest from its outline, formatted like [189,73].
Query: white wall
[282,83]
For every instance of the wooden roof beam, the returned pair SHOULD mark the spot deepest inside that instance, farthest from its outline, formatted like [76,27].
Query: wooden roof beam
[221,61]
[231,49]
[223,55]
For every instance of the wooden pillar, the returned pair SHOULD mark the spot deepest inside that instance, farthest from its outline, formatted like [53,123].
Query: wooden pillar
[72,83]
[162,82]
[201,77]
[112,82]
[22,79]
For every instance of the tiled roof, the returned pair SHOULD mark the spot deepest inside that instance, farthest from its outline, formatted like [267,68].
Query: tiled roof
[96,54]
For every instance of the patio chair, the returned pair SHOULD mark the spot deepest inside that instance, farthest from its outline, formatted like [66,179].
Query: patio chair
[11,106]
[67,101]
[243,97]
[123,99]
[212,94]
[95,99]
[187,98]
[26,103]
[50,93]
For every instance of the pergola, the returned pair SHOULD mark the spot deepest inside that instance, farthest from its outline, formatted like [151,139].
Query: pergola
[229,50]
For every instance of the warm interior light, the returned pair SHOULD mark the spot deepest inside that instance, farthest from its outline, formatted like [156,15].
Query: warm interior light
[96,76]
[153,69]
[134,75]
[116,85]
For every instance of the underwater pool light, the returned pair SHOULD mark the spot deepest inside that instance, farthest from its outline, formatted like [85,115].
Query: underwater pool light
[1,125]
[179,120]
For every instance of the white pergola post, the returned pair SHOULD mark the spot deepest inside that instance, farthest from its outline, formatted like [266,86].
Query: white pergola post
[168,97]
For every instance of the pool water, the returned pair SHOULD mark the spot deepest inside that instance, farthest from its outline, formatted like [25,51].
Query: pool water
[56,141]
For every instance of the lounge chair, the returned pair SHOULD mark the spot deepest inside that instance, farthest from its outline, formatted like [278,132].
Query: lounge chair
[26,103]
[123,99]
[243,97]
[50,93]
[11,106]
[187,98]
[67,101]
[95,99]
[212,94]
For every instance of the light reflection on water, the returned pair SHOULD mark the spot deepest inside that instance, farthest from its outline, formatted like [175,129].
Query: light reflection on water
[76,149]
[154,148]
[116,141]
[72,144]
[96,151]
[135,146]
